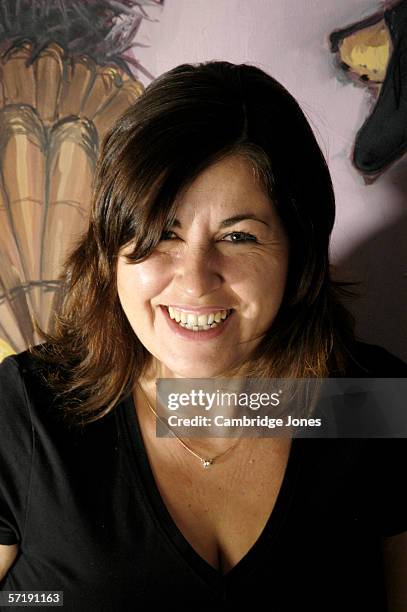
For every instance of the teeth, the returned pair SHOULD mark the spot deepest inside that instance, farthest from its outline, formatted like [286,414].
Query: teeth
[202,319]
[197,322]
[192,319]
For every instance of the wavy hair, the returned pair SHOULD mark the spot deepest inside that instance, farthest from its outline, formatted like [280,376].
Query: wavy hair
[186,120]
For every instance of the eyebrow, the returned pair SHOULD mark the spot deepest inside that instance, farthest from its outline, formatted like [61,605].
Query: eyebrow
[231,220]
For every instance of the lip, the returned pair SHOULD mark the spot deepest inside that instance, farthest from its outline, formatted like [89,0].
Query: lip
[197,336]
[200,309]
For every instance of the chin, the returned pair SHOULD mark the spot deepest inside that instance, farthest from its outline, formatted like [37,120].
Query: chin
[197,371]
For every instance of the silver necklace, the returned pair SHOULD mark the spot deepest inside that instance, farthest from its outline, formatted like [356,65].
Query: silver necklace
[206,462]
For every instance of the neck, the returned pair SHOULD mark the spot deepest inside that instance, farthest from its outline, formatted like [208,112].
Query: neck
[205,446]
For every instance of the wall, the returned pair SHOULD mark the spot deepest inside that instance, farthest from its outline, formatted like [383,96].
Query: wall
[289,39]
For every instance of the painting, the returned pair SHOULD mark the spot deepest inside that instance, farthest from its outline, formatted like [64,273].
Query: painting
[66,73]
[373,53]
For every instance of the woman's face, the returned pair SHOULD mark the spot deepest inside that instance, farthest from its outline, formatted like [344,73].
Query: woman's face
[208,263]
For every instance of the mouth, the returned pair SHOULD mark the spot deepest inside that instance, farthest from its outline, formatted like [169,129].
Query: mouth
[203,326]
[198,320]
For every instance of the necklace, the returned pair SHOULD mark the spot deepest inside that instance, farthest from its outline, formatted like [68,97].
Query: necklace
[206,463]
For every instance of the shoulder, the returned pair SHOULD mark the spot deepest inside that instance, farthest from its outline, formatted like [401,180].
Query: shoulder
[16,437]
[17,370]
[13,395]
[31,383]
[372,360]
[380,462]
[24,393]
[9,374]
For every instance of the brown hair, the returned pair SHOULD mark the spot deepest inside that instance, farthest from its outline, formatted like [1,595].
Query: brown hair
[186,120]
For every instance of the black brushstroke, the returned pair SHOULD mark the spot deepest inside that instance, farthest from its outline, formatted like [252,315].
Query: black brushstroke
[101,29]
[383,137]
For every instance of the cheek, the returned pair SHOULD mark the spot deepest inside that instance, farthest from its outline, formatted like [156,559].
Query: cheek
[137,285]
[140,282]
[267,277]
[262,288]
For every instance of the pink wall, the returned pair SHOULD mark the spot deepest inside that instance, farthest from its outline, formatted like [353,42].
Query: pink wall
[288,39]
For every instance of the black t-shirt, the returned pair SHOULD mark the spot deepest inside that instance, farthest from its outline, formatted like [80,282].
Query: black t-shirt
[89,519]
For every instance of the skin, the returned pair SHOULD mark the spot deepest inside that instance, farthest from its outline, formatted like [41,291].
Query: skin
[8,554]
[395,565]
[201,266]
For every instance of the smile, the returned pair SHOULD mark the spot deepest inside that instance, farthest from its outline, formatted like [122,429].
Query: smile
[193,329]
[198,322]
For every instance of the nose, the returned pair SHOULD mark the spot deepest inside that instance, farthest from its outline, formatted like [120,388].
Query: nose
[197,273]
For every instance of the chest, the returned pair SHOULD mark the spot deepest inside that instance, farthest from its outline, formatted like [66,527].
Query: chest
[221,511]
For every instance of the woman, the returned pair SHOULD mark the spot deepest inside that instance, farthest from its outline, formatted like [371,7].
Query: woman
[206,256]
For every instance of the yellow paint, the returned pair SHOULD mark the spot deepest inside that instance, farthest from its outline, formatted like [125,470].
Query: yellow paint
[367,52]
[5,350]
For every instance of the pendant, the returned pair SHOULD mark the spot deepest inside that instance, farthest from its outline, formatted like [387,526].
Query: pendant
[206,462]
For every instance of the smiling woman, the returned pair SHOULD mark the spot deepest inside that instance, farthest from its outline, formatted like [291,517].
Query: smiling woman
[206,256]
[204,266]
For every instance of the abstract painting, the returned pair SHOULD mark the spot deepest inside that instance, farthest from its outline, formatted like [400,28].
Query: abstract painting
[373,53]
[64,78]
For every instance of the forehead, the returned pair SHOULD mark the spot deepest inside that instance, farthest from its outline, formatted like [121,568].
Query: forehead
[231,182]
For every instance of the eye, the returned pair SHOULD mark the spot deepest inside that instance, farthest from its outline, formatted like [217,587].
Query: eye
[164,235]
[241,237]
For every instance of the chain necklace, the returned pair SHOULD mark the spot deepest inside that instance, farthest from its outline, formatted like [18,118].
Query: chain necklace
[206,463]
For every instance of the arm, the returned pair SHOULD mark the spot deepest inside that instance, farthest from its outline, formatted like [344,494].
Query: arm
[8,554]
[395,564]
[16,450]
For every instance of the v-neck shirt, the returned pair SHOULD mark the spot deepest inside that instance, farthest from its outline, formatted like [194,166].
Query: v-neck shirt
[89,519]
